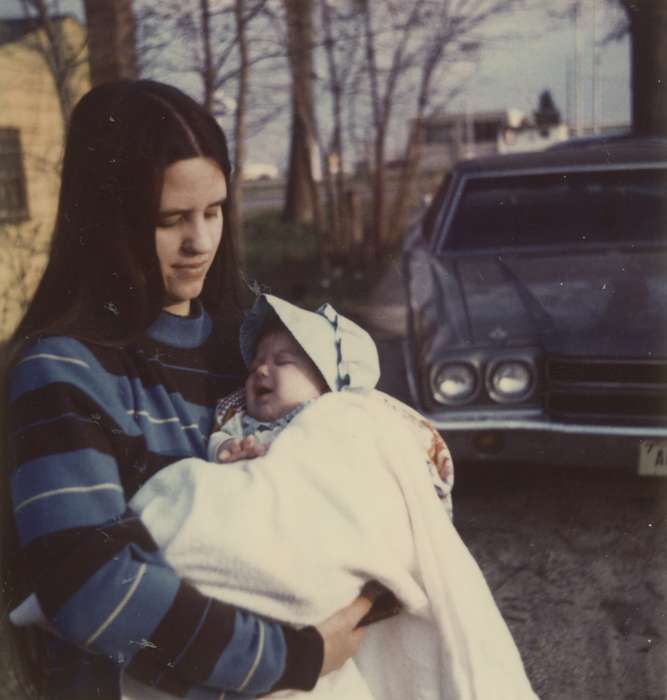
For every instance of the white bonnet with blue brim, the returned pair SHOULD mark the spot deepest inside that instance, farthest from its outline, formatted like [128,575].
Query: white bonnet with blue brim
[344,352]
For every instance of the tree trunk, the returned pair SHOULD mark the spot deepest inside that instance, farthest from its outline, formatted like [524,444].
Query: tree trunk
[236,193]
[379,201]
[207,75]
[374,243]
[648,39]
[334,180]
[301,199]
[402,200]
[398,217]
[111,40]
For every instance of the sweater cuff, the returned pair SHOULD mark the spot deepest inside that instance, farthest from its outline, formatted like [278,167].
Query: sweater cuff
[304,658]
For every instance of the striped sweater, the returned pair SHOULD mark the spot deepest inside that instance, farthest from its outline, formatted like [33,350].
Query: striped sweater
[88,426]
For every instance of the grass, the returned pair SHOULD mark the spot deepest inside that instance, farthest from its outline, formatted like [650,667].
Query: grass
[283,259]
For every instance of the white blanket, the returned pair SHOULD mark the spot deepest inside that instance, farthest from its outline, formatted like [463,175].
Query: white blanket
[343,496]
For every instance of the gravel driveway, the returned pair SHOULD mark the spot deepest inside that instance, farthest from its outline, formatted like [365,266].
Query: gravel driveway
[578,565]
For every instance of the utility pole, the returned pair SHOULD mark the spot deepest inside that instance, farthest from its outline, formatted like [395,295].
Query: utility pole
[568,95]
[469,131]
[595,79]
[578,72]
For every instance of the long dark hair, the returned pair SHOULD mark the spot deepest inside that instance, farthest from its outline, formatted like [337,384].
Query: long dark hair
[102,281]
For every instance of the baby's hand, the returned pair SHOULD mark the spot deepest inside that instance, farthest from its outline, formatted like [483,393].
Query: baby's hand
[234,449]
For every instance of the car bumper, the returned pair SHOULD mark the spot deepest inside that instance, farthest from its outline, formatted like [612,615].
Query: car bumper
[543,442]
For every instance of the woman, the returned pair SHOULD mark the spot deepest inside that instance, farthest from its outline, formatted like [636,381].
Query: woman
[131,337]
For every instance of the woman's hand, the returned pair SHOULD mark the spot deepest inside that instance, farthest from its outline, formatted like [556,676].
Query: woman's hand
[341,635]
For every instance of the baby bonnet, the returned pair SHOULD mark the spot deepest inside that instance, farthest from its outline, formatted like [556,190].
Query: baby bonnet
[344,352]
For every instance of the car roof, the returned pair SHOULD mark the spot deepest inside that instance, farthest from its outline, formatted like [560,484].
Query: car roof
[594,151]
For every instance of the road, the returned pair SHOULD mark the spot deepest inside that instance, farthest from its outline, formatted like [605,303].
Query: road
[577,562]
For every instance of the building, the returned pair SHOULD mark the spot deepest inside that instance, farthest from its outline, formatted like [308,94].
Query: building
[32,128]
[448,138]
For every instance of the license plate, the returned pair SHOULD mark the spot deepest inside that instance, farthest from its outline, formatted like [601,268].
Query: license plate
[653,458]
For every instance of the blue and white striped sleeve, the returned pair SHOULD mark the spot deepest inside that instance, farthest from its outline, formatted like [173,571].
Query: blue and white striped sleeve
[93,566]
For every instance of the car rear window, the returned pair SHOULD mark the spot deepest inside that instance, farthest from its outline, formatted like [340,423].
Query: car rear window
[560,208]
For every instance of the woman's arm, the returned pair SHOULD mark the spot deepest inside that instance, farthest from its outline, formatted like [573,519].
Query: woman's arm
[95,570]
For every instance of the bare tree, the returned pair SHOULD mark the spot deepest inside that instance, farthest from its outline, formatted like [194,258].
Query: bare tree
[379,57]
[199,39]
[334,185]
[449,38]
[301,197]
[407,46]
[382,65]
[192,39]
[382,103]
[340,42]
[62,58]
[207,72]
[211,42]
[240,128]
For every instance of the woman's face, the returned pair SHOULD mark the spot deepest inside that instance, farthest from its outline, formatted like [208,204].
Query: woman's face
[189,228]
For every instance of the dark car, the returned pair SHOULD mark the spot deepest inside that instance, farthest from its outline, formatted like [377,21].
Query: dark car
[537,307]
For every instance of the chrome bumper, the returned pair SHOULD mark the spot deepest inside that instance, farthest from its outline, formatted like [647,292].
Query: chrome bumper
[542,442]
[486,423]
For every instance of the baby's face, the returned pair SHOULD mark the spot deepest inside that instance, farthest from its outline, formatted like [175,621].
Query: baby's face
[281,377]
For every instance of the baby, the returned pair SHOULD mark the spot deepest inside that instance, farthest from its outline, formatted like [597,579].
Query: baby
[293,357]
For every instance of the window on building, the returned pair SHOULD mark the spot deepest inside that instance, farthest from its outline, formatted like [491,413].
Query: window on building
[13,199]
[438,133]
[486,131]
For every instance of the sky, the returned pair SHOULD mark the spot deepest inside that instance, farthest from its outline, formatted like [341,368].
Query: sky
[511,72]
